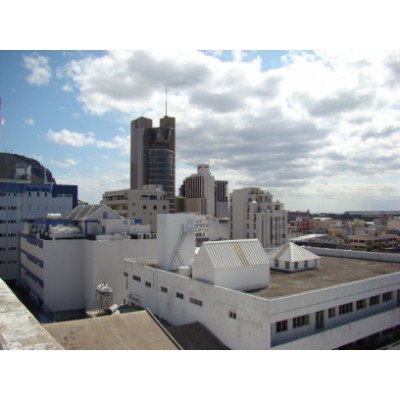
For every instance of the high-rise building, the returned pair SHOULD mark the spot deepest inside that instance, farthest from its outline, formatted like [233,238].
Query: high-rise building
[254,215]
[153,155]
[204,194]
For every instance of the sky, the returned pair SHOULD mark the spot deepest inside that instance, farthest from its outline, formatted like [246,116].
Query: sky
[320,130]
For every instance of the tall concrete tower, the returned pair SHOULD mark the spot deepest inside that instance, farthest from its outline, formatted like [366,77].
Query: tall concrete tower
[153,155]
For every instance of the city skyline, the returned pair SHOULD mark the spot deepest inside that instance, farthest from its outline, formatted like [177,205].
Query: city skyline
[319,130]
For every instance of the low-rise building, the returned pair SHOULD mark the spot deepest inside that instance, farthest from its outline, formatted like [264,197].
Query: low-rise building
[63,260]
[144,204]
[349,300]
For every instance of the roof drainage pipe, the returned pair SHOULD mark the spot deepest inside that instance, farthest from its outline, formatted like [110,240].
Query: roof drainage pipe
[111,310]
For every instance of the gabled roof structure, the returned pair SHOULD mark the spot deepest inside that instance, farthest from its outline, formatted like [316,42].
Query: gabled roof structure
[235,253]
[85,212]
[290,258]
[235,264]
[291,252]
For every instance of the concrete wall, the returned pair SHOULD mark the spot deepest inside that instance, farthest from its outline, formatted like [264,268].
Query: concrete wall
[63,274]
[171,229]
[255,323]
[250,329]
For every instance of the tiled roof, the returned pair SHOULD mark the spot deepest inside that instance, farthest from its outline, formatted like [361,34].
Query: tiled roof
[291,252]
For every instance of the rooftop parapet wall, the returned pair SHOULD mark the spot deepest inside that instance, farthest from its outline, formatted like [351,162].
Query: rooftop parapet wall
[19,328]
[359,255]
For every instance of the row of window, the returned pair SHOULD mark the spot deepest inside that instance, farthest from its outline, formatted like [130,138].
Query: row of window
[8,262]
[8,208]
[7,248]
[10,221]
[282,326]
[8,235]
[154,207]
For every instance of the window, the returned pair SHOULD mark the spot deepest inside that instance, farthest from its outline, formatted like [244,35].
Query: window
[196,301]
[136,278]
[296,265]
[287,264]
[179,295]
[164,207]
[232,315]
[276,263]
[374,300]
[319,320]
[361,304]
[148,284]
[144,207]
[301,321]
[281,326]
[164,289]
[387,296]
[332,312]
[345,308]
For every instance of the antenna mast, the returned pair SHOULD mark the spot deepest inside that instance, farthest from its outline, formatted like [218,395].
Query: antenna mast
[166,102]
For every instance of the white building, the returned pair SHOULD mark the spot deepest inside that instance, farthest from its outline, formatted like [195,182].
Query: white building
[352,298]
[254,214]
[21,199]
[143,205]
[64,260]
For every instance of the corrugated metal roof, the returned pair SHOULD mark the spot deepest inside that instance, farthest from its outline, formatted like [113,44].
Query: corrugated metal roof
[235,253]
[291,252]
[80,213]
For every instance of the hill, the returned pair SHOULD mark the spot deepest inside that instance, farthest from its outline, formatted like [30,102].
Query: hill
[7,167]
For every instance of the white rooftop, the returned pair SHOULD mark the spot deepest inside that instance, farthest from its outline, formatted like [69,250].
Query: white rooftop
[235,253]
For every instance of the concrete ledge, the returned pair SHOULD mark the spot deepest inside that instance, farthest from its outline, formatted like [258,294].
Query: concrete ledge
[19,329]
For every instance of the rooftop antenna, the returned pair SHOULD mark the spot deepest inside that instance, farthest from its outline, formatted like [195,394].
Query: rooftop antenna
[166,101]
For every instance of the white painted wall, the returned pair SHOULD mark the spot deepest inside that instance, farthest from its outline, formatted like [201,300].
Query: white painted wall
[254,327]
[171,229]
[250,329]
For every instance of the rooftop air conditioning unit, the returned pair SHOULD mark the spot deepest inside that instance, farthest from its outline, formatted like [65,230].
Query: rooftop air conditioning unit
[148,236]
[154,235]
[140,235]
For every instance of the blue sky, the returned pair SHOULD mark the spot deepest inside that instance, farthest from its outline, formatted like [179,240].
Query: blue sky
[319,130]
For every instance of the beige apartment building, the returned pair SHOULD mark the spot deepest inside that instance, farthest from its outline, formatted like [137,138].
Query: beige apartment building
[255,215]
[142,205]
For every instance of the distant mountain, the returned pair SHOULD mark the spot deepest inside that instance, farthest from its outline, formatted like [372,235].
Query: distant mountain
[7,168]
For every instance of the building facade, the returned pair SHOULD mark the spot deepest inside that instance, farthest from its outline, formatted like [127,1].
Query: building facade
[254,214]
[153,155]
[205,195]
[345,300]
[143,205]
[63,260]
[21,199]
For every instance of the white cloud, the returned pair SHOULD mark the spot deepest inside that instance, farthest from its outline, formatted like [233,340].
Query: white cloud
[67,138]
[29,121]
[40,71]
[320,117]
[67,88]
[76,139]
[67,163]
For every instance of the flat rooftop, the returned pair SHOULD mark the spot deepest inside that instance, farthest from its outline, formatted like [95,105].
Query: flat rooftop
[130,331]
[333,271]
